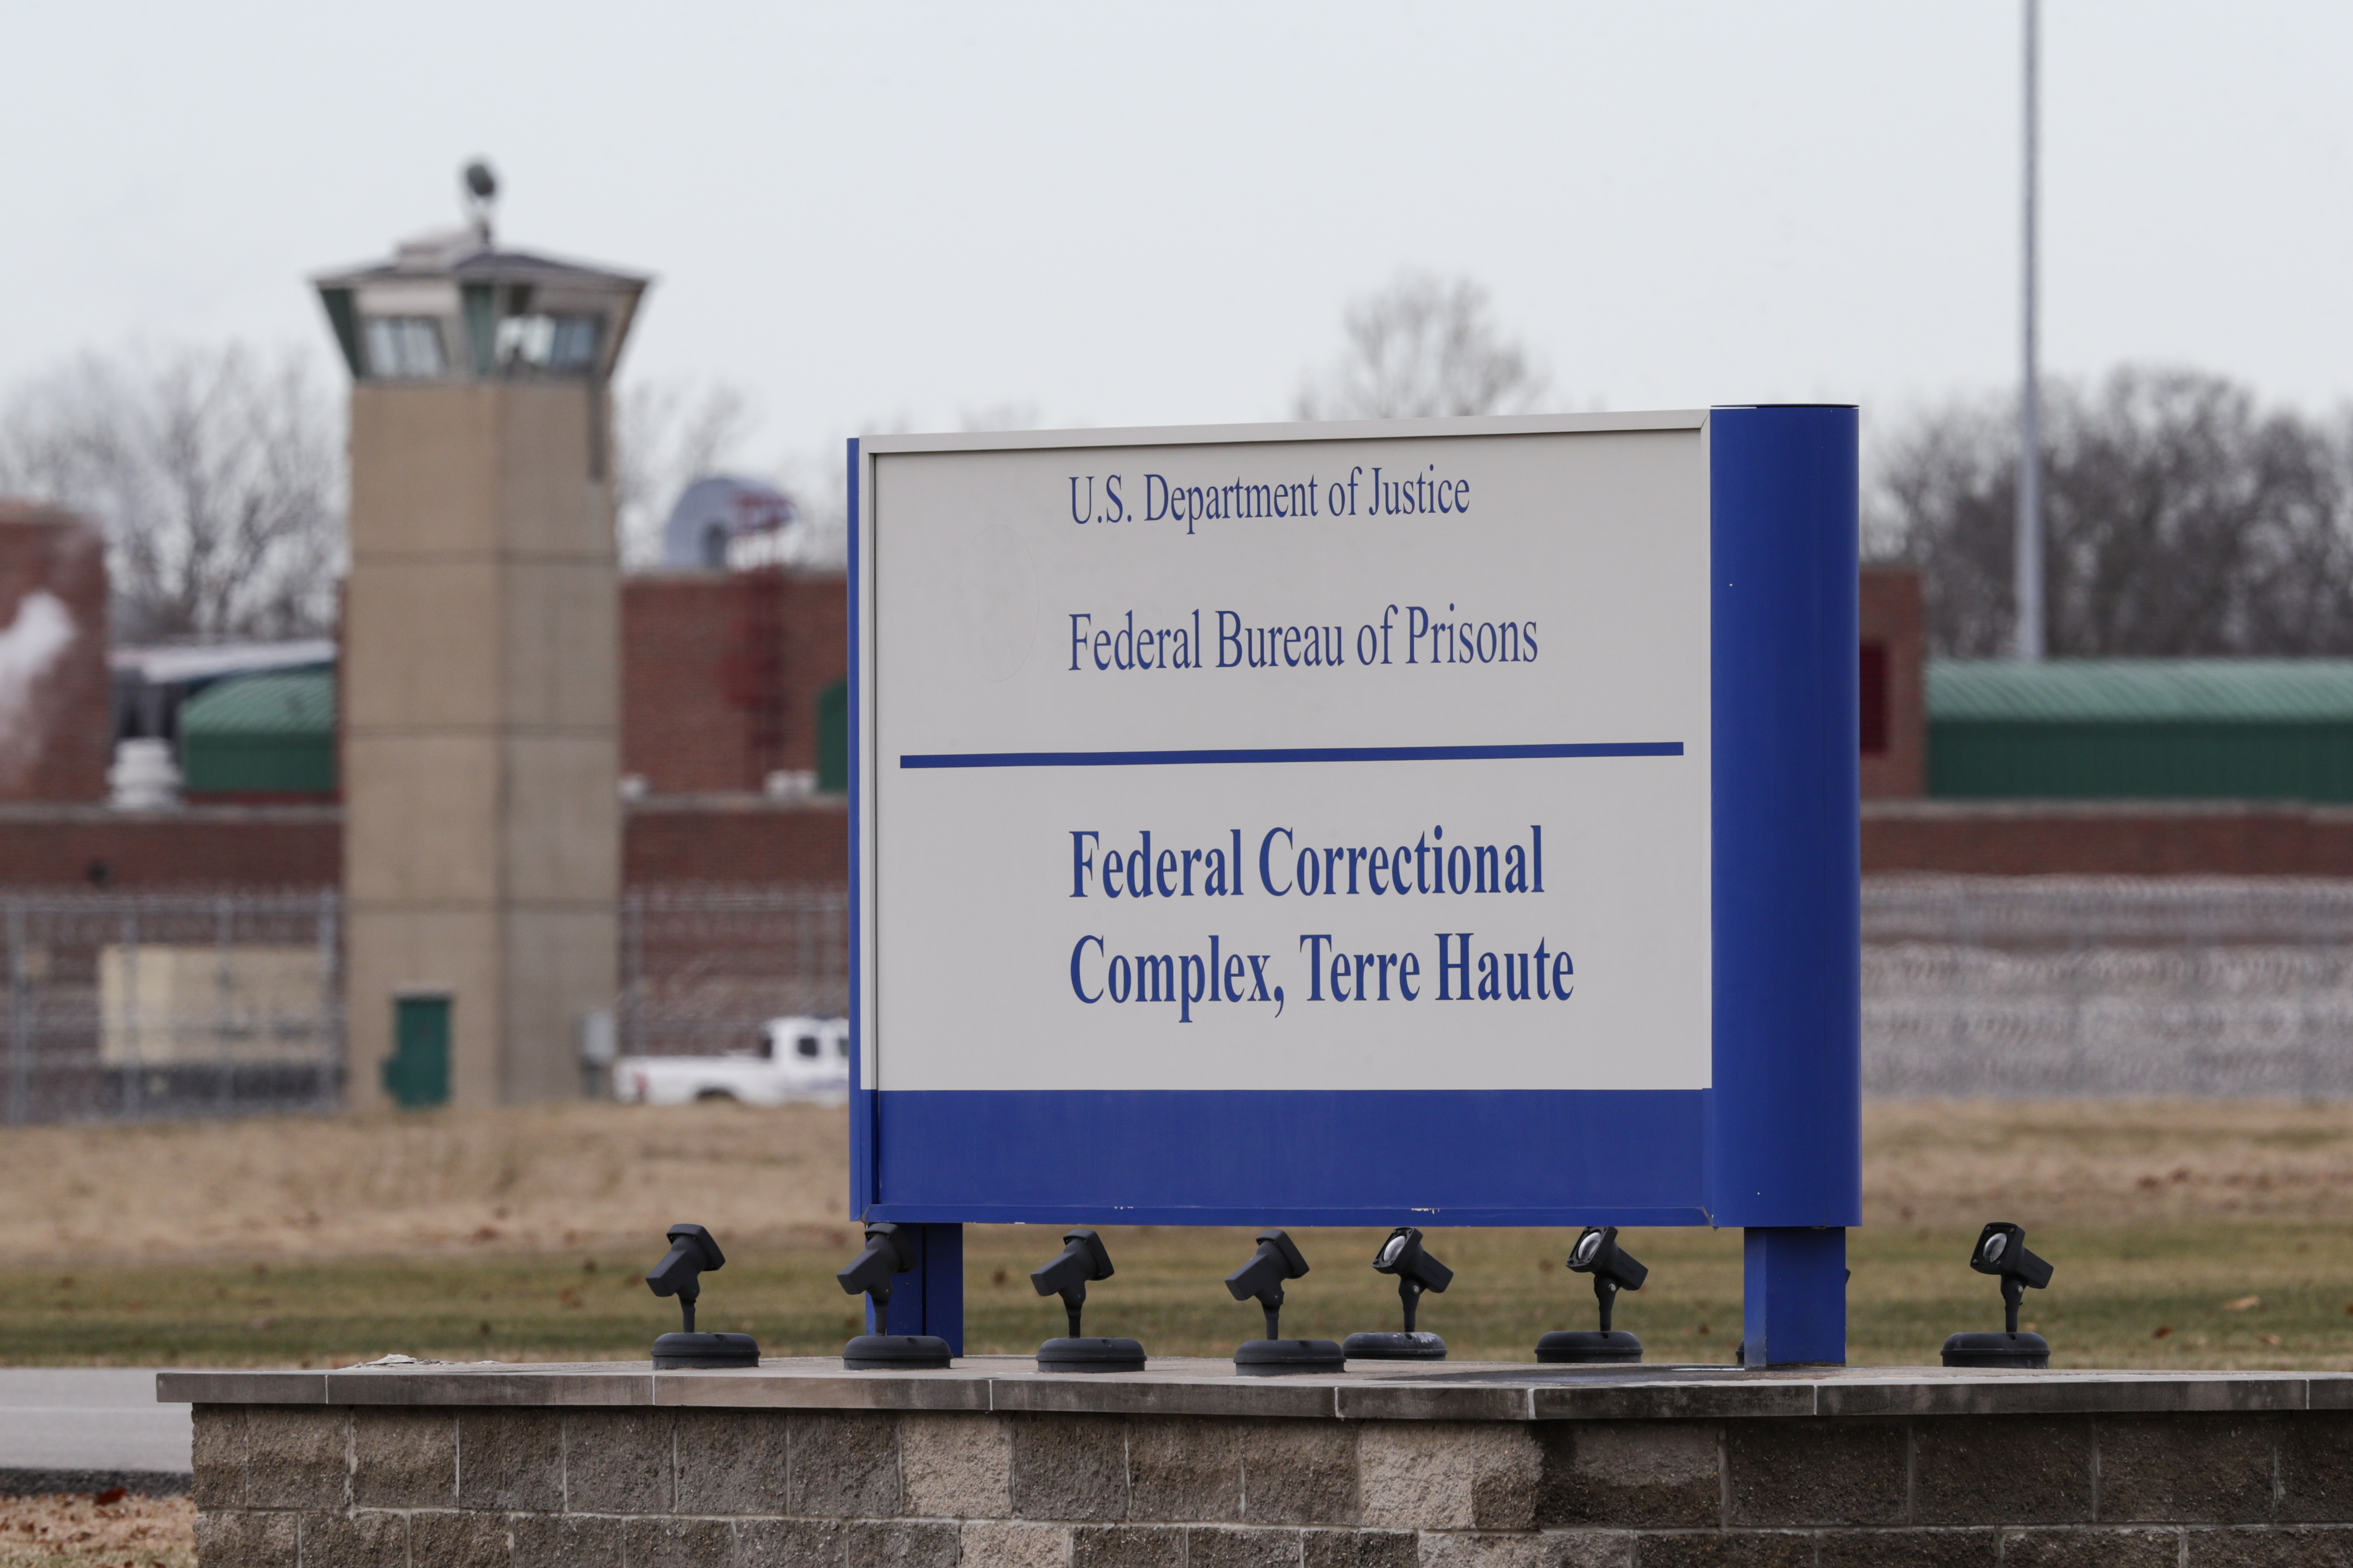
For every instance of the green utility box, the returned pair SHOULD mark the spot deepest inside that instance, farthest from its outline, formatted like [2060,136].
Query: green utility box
[269,737]
[2144,728]
[833,738]
[416,1074]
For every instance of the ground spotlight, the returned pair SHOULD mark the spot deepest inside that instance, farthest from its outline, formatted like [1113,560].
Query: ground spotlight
[2002,1251]
[1276,1261]
[1416,1270]
[1614,1269]
[693,1252]
[887,1254]
[1081,1260]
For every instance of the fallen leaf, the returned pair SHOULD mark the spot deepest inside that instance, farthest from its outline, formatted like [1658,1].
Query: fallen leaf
[110,1496]
[2269,1339]
[2242,1303]
[2162,1329]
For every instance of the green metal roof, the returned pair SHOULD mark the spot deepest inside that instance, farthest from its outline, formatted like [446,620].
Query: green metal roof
[2142,691]
[287,702]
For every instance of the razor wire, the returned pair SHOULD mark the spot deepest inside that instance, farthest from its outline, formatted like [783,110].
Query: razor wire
[2108,987]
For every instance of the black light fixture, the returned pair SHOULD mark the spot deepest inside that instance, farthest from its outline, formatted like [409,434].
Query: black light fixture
[1277,1259]
[1597,1252]
[2002,1251]
[1081,1260]
[887,1255]
[1416,1270]
[694,1252]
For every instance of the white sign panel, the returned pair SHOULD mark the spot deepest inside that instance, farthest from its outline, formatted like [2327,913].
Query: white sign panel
[1287,758]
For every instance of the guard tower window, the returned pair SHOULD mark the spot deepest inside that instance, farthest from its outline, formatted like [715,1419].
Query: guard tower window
[405,347]
[562,344]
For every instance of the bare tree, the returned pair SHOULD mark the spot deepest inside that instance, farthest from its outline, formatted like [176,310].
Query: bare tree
[1421,347]
[666,435]
[2180,518]
[217,474]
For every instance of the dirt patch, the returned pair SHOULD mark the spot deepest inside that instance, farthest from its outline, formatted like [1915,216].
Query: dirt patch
[77,1529]
[592,1176]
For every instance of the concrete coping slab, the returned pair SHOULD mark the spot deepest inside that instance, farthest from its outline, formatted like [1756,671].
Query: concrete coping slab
[1462,1391]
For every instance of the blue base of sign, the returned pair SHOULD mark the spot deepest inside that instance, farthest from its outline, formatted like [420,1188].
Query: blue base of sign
[1292,1157]
[1793,1297]
[929,1300]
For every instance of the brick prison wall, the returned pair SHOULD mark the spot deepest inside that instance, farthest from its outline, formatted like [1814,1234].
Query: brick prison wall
[310,1487]
[739,839]
[2100,838]
[721,672]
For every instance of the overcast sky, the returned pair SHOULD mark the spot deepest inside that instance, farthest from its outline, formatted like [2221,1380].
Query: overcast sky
[1131,215]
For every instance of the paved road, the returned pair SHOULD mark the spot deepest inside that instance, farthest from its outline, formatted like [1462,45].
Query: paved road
[89,1418]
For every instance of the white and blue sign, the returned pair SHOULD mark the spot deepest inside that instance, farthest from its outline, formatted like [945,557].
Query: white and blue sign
[1440,822]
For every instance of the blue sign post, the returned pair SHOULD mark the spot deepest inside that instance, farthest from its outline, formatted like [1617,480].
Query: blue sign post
[1433,823]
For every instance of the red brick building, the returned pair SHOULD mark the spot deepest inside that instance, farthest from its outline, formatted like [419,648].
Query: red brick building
[55,699]
[1895,719]
[722,679]
[722,673]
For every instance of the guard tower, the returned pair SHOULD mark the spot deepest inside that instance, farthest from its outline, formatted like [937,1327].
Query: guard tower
[480,680]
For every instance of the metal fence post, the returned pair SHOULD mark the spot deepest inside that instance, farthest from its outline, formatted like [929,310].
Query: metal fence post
[332,1049]
[20,1021]
[633,963]
[224,992]
[130,1013]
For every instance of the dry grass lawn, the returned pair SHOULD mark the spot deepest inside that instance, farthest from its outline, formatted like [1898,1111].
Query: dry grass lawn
[535,1180]
[560,1178]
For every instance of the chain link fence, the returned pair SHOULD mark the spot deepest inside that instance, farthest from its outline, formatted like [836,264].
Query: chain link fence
[148,1005]
[703,968]
[133,1005]
[2108,987]
[126,1006]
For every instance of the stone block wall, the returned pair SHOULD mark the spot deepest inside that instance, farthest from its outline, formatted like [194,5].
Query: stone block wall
[487,1487]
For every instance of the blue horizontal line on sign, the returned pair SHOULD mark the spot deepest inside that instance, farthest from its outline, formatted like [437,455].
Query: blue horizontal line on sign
[1289,754]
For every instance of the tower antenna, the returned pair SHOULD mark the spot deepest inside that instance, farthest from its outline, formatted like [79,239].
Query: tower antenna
[482,195]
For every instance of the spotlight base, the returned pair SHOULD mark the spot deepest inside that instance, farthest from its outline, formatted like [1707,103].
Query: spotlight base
[674,1351]
[896,1352]
[1090,1355]
[1588,1346]
[1420,1345]
[2025,1351]
[1274,1358]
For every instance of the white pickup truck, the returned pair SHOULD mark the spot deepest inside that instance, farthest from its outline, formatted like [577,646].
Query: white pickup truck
[797,1061]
